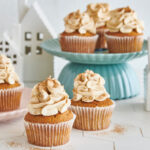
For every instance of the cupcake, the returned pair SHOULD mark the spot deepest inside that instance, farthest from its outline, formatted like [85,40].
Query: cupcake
[91,102]
[10,87]
[125,31]
[100,14]
[80,33]
[49,122]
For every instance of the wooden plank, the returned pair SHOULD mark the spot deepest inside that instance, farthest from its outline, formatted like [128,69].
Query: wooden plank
[87,143]
[76,132]
[129,130]
[130,143]
[115,131]
[11,129]
[76,143]
[145,130]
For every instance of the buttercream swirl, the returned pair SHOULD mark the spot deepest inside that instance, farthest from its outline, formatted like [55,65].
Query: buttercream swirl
[99,12]
[48,98]
[89,86]
[7,71]
[124,20]
[80,22]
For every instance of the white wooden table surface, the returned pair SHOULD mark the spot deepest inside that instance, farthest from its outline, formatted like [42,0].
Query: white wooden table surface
[129,130]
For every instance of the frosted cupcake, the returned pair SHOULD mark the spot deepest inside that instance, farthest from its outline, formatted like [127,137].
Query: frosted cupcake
[10,87]
[49,122]
[80,33]
[100,13]
[125,31]
[91,102]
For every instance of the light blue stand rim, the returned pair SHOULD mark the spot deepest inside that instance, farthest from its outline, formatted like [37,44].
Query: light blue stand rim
[53,47]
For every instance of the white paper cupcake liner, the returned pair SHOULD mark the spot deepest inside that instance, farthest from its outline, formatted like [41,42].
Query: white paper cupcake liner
[126,44]
[10,99]
[78,44]
[101,42]
[49,135]
[92,118]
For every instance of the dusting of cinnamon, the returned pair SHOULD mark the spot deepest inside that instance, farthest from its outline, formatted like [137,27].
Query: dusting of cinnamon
[13,144]
[118,129]
[102,27]
[127,9]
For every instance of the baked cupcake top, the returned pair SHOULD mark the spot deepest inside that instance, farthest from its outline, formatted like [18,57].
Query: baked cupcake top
[79,22]
[7,71]
[48,98]
[124,20]
[99,12]
[89,87]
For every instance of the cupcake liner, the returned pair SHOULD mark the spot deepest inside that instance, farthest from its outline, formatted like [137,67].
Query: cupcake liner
[126,44]
[78,44]
[101,42]
[10,98]
[92,118]
[49,135]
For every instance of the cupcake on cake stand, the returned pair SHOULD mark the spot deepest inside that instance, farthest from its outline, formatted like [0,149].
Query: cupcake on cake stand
[121,80]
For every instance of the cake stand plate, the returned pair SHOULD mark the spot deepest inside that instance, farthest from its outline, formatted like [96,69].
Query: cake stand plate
[6,116]
[99,57]
[121,80]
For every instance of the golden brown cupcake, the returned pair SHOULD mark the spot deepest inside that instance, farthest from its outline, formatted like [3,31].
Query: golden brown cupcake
[125,31]
[80,33]
[100,14]
[10,87]
[91,102]
[49,122]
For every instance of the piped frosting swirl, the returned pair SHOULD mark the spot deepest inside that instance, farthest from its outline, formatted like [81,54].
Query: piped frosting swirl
[48,98]
[99,12]
[89,86]
[80,22]
[124,20]
[7,71]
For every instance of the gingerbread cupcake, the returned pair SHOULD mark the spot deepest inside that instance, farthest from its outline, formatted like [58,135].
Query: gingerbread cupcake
[80,33]
[125,33]
[100,14]
[91,102]
[49,122]
[10,87]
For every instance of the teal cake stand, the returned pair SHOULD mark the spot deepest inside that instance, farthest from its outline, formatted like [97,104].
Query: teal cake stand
[121,80]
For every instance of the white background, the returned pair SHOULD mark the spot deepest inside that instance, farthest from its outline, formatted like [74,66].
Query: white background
[56,10]
[136,133]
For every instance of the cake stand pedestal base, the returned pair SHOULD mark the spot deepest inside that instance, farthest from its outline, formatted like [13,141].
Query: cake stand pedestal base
[121,80]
